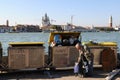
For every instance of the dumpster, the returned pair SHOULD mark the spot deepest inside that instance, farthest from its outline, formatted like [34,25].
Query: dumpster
[63,54]
[24,55]
[0,53]
[105,54]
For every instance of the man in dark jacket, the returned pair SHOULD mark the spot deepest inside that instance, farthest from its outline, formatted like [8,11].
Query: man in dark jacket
[89,56]
[81,58]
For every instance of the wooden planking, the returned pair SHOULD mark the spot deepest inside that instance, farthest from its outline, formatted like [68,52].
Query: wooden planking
[73,55]
[0,55]
[60,56]
[36,57]
[21,58]
[108,59]
[64,56]
[97,56]
[16,58]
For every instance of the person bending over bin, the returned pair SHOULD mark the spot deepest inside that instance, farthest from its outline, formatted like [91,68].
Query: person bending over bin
[82,61]
[89,56]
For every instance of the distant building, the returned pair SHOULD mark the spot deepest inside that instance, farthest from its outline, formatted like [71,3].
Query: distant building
[67,27]
[45,21]
[5,28]
[106,28]
[110,22]
[80,29]
[7,23]
[27,28]
[117,28]
[45,25]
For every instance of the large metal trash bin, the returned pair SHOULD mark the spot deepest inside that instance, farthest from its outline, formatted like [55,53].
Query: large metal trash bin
[0,53]
[104,53]
[64,56]
[23,55]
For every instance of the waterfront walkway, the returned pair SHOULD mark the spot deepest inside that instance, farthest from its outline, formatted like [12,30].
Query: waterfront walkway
[54,75]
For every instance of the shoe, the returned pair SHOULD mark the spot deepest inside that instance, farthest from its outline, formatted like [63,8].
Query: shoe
[80,75]
[76,74]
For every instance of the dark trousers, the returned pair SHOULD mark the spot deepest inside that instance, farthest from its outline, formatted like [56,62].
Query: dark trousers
[81,67]
[90,71]
[81,64]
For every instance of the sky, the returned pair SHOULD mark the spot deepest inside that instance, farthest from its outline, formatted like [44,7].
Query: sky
[84,12]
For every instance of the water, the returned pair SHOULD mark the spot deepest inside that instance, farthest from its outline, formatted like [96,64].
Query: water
[5,38]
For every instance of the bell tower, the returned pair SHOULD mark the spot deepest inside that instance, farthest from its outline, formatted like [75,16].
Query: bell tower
[110,22]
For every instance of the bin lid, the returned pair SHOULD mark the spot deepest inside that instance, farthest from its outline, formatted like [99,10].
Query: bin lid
[25,43]
[62,34]
[108,43]
[92,43]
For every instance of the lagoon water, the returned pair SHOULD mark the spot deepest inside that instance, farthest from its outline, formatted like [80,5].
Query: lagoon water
[5,38]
